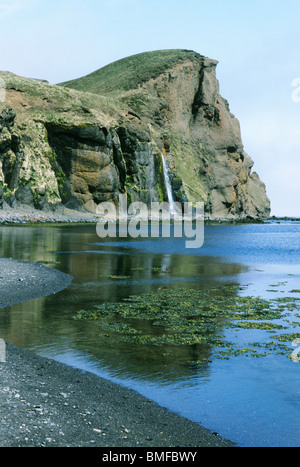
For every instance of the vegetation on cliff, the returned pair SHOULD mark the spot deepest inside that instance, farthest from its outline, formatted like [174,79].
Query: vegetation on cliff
[90,139]
[130,72]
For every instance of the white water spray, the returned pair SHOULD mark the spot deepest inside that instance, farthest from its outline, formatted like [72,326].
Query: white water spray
[172,203]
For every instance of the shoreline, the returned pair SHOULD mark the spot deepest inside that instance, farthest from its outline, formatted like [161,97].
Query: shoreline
[44,403]
[26,215]
[47,403]
[22,281]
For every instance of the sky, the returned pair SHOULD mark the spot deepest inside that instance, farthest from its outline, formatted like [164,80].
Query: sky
[257,44]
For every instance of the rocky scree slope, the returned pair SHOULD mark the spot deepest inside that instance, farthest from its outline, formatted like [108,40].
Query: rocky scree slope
[88,140]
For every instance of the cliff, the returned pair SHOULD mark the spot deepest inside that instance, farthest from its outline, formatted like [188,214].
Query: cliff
[87,140]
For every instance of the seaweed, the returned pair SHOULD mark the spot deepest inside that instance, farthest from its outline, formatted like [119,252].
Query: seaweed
[191,317]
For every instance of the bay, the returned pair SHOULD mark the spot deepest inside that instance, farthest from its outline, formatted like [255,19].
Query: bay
[252,401]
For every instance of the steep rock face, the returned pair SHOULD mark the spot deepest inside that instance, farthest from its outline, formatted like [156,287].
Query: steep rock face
[26,175]
[98,163]
[7,117]
[46,162]
[201,139]
[62,146]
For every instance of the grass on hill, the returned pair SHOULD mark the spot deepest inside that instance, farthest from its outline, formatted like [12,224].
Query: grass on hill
[33,99]
[128,73]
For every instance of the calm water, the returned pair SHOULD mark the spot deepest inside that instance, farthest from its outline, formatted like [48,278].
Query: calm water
[253,402]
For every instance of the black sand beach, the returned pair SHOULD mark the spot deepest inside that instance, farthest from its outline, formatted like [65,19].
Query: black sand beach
[21,281]
[44,403]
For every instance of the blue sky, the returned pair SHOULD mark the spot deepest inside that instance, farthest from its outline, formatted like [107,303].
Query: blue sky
[256,42]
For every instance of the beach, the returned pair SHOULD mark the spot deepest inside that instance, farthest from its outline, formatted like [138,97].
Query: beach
[44,403]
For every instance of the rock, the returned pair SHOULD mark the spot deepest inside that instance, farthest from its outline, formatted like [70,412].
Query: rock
[202,140]
[1,198]
[84,149]
[24,195]
[42,191]
[177,94]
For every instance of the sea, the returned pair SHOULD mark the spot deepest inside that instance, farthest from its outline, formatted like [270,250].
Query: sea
[251,400]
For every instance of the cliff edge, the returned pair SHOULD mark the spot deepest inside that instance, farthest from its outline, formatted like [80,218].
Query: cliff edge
[86,141]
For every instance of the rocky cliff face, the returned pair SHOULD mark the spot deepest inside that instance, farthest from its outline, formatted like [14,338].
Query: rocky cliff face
[60,145]
[201,139]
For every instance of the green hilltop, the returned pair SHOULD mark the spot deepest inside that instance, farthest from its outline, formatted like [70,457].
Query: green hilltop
[128,73]
[88,140]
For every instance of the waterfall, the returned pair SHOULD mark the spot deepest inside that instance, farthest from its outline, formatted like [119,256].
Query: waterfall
[168,187]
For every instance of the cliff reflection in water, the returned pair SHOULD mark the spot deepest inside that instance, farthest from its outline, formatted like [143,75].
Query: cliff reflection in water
[105,272]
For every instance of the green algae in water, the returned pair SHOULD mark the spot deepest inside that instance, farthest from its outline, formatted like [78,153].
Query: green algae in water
[113,277]
[190,317]
[288,337]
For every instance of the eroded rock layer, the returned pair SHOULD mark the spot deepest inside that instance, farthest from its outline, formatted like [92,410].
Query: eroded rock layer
[89,140]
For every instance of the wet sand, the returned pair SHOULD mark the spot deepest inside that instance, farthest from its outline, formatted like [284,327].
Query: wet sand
[46,403]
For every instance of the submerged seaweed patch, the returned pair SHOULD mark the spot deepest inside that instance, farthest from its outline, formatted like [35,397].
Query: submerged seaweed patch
[190,317]
[115,277]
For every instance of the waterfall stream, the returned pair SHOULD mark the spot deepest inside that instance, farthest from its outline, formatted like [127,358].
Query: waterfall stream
[171,201]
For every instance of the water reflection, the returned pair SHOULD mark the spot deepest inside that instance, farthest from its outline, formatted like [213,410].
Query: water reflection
[105,272]
[251,401]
